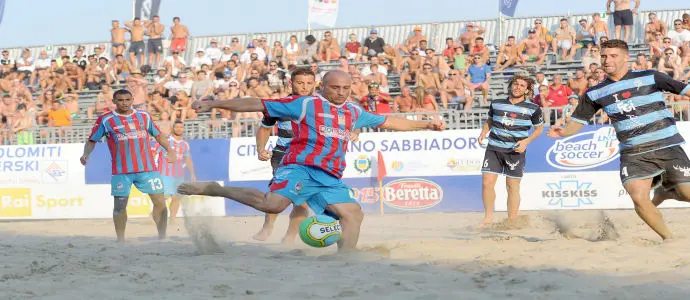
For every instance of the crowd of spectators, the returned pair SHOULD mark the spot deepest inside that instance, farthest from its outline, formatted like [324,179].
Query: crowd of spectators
[44,88]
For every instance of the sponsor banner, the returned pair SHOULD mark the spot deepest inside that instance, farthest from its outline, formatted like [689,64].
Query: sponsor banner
[323,12]
[422,153]
[401,195]
[574,190]
[87,202]
[41,164]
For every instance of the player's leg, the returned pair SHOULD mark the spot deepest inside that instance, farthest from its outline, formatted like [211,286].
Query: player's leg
[490,171]
[121,185]
[674,182]
[269,219]
[150,183]
[351,216]
[298,214]
[174,199]
[513,167]
[269,203]
[335,199]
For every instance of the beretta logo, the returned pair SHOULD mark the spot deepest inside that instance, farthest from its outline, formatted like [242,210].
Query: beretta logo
[412,194]
[584,150]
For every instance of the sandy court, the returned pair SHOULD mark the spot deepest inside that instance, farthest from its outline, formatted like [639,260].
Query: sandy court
[407,256]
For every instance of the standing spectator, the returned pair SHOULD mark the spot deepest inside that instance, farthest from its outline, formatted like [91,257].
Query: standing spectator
[480,74]
[472,32]
[481,49]
[642,63]
[154,29]
[136,45]
[353,48]
[585,39]
[376,102]
[653,28]
[179,35]
[622,16]
[564,39]
[374,44]
[599,27]
[117,38]
[558,92]
[680,37]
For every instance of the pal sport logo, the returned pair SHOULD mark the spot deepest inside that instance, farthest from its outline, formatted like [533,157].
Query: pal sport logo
[584,150]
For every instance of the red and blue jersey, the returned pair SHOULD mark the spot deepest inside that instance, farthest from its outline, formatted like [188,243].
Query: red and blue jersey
[175,168]
[128,137]
[321,130]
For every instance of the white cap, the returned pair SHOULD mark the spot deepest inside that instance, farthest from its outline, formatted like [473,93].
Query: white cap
[200,50]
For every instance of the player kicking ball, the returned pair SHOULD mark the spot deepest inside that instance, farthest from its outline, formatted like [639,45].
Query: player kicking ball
[508,128]
[128,132]
[313,165]
[649,140]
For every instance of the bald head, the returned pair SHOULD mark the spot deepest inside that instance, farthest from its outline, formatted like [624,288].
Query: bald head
[336,86]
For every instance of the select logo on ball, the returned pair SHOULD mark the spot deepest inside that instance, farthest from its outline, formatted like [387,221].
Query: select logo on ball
[584,150]
[320,231]
[412,194]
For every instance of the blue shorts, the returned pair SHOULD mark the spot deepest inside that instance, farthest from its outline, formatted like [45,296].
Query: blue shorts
[146,182]
[170,184]
[311,185]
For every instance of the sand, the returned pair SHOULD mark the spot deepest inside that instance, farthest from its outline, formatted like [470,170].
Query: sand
[406,256]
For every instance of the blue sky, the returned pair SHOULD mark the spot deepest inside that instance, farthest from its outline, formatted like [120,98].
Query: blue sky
[32,22]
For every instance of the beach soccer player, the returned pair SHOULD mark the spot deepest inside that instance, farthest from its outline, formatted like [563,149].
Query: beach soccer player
[128,133]
[649,140]
[172,172]
[507,128]
[313,165]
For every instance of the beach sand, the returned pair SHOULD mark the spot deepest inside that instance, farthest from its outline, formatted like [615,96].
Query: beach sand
[405,256]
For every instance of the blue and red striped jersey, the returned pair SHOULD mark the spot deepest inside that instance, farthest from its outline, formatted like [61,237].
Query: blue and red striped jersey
[129,139]
[175,168]
[321,129]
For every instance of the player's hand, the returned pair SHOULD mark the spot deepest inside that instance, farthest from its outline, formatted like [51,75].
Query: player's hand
[201,106]
[265,155]
[171,157]
[482,137]
[634,10]
[521,146]
[608,12]
[436,125]
[193,178]
[84,159]
[354,136]
[555,132]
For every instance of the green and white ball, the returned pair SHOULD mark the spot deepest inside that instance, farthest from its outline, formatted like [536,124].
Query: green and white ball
[320,231]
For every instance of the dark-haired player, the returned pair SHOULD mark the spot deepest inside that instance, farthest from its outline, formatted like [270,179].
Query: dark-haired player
[649,140]
[128,132]
[507,127]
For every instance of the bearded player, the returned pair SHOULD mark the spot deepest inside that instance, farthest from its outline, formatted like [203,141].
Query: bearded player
[128,133]
[313,165]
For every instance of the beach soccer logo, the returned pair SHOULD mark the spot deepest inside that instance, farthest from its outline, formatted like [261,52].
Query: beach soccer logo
[362,164]
[585,150]
[15,202]
[54,172]
[570,193]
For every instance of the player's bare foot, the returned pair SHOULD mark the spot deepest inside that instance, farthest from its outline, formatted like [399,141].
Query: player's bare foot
[263,234]
[197,188]
[288,240]
[485,223]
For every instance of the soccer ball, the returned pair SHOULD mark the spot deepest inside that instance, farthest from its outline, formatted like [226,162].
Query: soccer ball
[319,231]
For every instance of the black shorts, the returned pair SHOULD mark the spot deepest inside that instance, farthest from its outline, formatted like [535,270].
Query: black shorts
[668,167]
[276,157]
[623,17]
[511,164]
[136,47]
[155,45]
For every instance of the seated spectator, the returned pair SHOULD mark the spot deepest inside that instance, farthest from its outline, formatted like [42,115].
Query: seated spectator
[535,49]
[414,65]
[480,74]
[592,58]
[541,32]
[279,55]
[686,21]
[426,103]
[99,73]
[75,75]
[104,102]
[481,49]
[563,40]
[680,38]
[353,48]
[585,39]
[460,59]
[373,45]
[174,64]
[578,84]
[600,74]
[159,107]
[276,80]
[540,79]
[428,79]
[309,53]
[653,28]
[375,101]
[404,103]
[292,50]
[542,98]
[7,64]
[42,65]
[182,107]
[199,60]
[379,78]
[656,48]
[642,63]
[328,49]
[558,92]
[8,108]
[25,66]
[122,67]
[181,84]
[58,116]
[670,64]
[413,41]
[508,54]
[202,88]
[468,37]
[449,51]
[257,89]
[454,89]
[22,125]
[214,51]
[358,88]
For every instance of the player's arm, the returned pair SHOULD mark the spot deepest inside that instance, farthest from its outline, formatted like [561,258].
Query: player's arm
[667,83]
[487,125]
[97,133]
[190,165]
[400,124]
[262,135]
[237,104]
[162,139]
[584,111]
[538,123]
